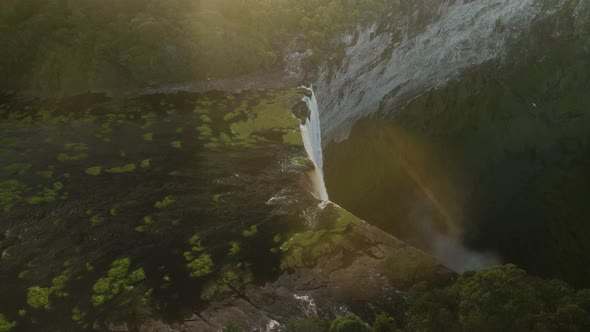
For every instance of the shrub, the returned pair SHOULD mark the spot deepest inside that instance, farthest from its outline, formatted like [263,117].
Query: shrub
[349,323]
[385,323]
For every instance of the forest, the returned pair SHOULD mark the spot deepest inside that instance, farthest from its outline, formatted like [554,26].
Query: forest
[60,45]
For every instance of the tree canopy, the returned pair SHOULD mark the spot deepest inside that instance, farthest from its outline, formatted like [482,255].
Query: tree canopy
[58,45]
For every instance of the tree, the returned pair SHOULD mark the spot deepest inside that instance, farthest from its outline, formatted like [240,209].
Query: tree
[349,323]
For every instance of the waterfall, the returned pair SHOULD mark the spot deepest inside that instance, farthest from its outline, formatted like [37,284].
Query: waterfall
[311,133]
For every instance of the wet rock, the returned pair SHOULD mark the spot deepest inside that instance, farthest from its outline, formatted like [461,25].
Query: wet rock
[300,110]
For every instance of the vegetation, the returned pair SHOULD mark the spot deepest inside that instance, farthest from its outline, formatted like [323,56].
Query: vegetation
[118,280]
[500,299]
[349,323]
[6,325]
[200,266]
[94,171]
[59,46]
[38,297]
[303,249]
[122,169]
[167,201]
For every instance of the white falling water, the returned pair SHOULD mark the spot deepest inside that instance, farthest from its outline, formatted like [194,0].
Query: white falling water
[311,134]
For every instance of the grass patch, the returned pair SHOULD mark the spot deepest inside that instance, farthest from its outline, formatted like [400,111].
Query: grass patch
[38,297]
[167,201]
[117,280]
[94,171]
[122,169]
[148,137]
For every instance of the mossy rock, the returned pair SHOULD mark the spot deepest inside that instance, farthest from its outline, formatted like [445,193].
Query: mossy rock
[303,249]
[38,297]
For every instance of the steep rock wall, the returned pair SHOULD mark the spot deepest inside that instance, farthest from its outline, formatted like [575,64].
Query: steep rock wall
[419,46]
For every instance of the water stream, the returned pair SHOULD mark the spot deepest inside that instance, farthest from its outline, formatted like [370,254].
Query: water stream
[311,134]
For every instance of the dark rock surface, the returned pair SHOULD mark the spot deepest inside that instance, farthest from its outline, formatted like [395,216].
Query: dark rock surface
[357,278]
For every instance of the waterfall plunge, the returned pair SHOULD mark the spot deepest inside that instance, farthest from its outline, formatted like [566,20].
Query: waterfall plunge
[311,133]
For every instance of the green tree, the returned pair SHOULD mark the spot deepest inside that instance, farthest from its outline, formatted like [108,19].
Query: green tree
[349,323]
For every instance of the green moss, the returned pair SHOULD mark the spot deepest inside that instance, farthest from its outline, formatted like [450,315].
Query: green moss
[47,195]
[234,275]
[195,240]
[148,137]
[18,168]
[176,144]
[6,325]
[136,276]
[77,147]
[293,138]
[119,267]
[122,169]
[251,231]
[40,199]
[118,280]
[306,247]
[22,312]
[200,266]
[58,284]
[66,157]
[113,211]
[78,315]
[167,201]
[102,285]
[38,297]
[96,219]
[266,116]
[204,131]
[146,163]
[149,118]
[217,198]
[148,220]
[234,248]
[11,192]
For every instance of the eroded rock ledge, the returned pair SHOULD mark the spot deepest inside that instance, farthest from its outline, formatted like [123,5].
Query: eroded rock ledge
[364,270]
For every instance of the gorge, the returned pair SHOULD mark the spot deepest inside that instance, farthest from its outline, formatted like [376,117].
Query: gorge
[224,165]
[452,110]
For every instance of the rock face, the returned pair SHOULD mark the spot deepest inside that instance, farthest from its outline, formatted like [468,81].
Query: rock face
[502,145]
[421,45]
[367,271]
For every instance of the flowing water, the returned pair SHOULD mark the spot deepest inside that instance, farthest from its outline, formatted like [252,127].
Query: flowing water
[311,134]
